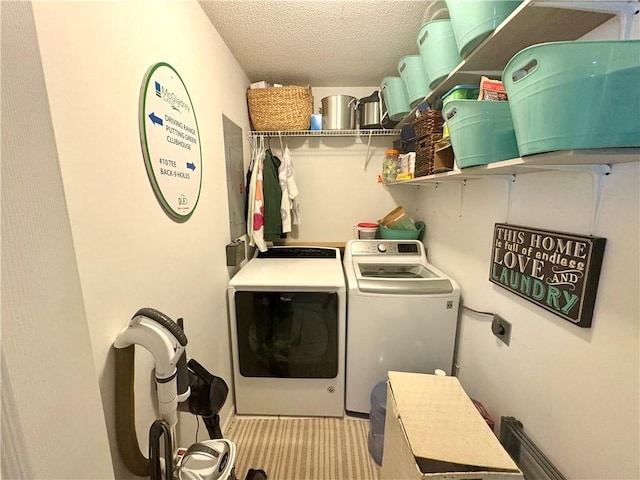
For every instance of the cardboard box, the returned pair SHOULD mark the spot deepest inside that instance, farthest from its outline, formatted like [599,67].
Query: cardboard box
[443,158]
[434,432]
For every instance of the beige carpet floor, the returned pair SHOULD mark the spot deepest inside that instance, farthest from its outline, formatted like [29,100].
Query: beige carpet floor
[303,448]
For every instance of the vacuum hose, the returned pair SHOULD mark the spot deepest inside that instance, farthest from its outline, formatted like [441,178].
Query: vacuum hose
[130,452]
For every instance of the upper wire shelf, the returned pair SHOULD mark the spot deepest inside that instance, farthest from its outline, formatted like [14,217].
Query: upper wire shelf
[326,133]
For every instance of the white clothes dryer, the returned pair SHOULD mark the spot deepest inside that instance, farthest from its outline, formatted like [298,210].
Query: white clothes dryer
[402,315]
[287,315]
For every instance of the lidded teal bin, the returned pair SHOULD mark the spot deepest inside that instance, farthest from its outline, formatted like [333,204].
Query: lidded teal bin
[438,49]
[474,20]
[481,131]
[575,95]
[414,77]
[395,98]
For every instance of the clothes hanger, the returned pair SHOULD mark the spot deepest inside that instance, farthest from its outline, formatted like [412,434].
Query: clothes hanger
[281,147]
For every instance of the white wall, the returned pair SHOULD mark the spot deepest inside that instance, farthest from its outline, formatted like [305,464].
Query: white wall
[130,254]
[575,390]
[52,420]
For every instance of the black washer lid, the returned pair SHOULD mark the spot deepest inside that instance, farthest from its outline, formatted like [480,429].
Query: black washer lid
[298,252]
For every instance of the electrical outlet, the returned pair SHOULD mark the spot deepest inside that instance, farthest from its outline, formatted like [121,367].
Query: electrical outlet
[501,329]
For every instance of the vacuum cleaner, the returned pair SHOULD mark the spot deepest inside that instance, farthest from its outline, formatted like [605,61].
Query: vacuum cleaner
[181,385]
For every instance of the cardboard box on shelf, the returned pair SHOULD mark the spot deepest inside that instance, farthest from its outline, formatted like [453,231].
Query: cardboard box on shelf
[433,431]
[443,156]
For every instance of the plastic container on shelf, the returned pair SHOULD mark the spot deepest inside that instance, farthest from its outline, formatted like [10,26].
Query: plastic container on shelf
[365,230]
[461,92]
[575,95]
[481,132]
[395,98]
[438,49]
[474,21]
[397,234]
[390,165]
[414,78]
[398,219]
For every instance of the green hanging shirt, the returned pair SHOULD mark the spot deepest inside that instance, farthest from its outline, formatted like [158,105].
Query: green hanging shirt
[272,197]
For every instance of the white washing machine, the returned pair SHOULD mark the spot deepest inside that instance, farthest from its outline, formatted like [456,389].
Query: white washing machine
[287,313]
[402,315]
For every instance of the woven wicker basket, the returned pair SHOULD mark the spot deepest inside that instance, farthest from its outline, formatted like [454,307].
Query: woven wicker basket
[280,108]
[425,148]
[428,123]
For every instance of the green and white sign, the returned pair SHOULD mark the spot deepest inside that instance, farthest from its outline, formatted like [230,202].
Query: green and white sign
[170,140]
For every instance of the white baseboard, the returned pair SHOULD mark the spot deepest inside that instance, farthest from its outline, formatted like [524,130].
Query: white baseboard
[224,424]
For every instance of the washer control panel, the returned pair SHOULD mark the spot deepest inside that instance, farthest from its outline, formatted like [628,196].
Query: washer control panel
[382,247]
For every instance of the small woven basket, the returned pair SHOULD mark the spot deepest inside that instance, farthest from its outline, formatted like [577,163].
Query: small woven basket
[428,123]
[425,148]
[280,108]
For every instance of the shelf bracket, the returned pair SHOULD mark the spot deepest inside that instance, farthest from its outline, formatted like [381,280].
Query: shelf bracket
[598,172]
[510,179]
[366,158]
[623,10]
[597,195]
[463,185]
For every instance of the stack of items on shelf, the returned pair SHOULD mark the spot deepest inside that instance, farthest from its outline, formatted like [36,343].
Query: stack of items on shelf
[428,132]
[276,108]
[480,129]
[552,96]
[451,30]
[556,96]
[441,47]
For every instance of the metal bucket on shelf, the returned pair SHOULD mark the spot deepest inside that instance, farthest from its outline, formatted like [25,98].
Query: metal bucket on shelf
[339,112]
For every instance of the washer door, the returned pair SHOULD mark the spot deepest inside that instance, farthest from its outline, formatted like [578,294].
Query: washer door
[400,278]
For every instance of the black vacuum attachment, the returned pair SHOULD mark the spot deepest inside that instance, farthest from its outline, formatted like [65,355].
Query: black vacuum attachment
[208,394]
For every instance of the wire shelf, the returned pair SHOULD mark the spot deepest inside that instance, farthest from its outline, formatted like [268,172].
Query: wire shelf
[326,133]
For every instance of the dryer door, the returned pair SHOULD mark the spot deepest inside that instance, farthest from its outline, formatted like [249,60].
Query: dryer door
[287,334]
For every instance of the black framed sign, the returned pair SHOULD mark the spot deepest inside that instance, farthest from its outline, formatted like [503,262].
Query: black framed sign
[557,271]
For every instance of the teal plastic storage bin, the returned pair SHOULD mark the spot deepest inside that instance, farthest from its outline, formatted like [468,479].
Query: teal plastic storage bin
[461,92]
[474,20]
[575,95]
[395,98]
[393,234]
[414,77]
[481,131]
[438,49]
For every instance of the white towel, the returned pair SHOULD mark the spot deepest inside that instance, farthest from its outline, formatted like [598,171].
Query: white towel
[255,217]
[289,208]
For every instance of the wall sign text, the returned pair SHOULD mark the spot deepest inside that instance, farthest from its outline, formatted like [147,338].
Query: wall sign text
[170,141]
[557,271]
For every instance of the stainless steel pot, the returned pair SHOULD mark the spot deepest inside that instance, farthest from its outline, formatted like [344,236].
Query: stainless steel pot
[339,112]
[370,111]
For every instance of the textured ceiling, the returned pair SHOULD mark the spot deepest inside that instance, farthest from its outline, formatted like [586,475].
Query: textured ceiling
[324,43]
